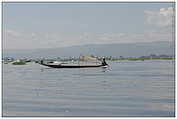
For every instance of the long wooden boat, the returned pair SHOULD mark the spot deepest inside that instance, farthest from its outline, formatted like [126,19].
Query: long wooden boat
[73,65]
[65,65]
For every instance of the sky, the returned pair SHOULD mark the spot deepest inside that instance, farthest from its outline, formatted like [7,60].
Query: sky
[55,25]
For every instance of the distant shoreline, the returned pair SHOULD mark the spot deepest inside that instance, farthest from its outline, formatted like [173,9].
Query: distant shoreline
[37,60]
[142,59]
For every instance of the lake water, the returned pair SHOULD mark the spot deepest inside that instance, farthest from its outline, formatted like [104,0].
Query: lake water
[127,88]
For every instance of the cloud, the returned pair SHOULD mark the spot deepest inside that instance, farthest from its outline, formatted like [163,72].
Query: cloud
[163,17]
[13,39]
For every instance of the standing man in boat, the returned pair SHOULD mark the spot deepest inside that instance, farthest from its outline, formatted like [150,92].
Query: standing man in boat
[104,62]
[42,62]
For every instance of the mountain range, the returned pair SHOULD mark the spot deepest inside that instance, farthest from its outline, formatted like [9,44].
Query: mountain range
[115,50]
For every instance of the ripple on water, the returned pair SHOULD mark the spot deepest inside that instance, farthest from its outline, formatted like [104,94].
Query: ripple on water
[125,89]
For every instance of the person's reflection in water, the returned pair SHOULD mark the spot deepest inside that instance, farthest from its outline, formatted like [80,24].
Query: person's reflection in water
[103,70]
[42,69]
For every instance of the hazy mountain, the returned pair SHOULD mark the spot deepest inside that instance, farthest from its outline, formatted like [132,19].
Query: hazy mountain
[116,50]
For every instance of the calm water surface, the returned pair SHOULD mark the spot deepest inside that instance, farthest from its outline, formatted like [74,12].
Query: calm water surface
[127,88]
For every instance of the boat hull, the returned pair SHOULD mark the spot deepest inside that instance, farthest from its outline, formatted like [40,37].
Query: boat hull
[72,66]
